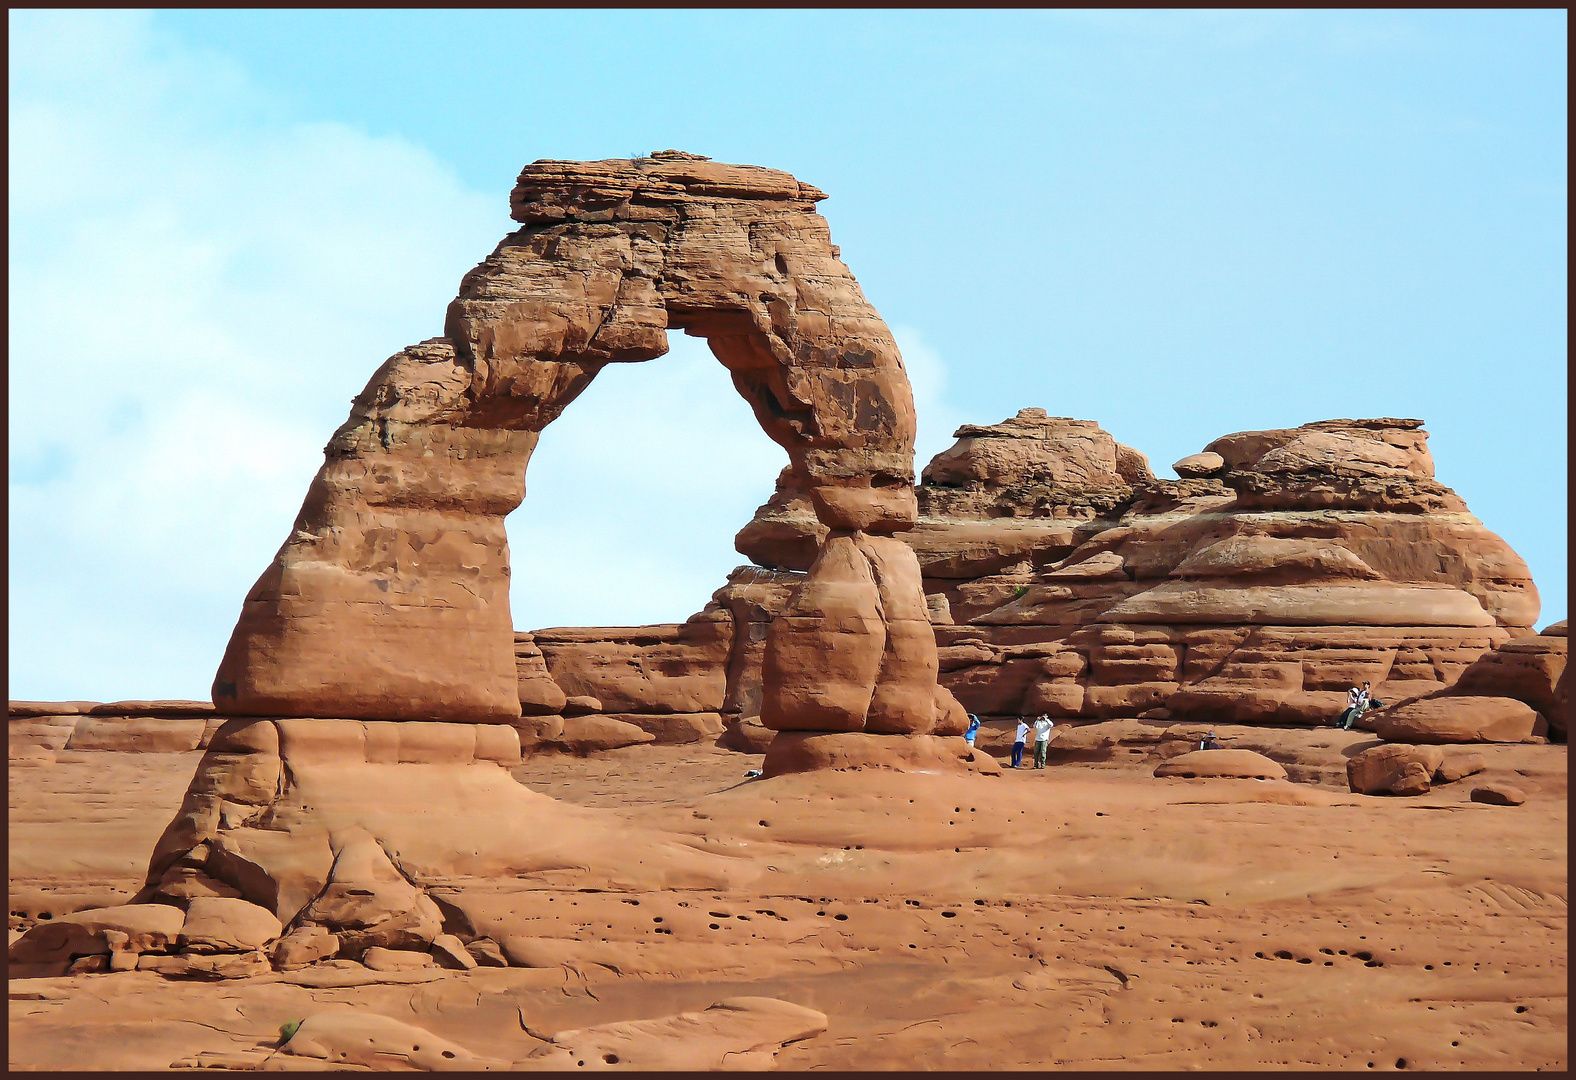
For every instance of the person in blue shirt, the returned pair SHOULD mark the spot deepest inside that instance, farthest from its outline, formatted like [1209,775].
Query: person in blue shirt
[974,729]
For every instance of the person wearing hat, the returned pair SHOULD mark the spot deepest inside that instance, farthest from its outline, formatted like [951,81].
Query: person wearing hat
[1208,742]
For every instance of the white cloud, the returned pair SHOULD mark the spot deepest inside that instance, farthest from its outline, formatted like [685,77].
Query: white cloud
[197,288]
[635,493]
[196,293]
[938,417]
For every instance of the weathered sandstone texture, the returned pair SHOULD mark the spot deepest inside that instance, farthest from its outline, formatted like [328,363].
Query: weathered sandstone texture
[37,728]
[389,600]
[972,923]
[300,839]
[1531,670]
[1062,577]
[1284,567]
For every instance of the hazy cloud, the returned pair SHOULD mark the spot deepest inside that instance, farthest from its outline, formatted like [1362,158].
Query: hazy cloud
[196,292]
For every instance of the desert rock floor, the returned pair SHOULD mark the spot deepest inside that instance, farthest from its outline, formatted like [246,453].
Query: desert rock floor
[1086,916]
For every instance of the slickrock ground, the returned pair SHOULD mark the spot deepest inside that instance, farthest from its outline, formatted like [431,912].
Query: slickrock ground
[1088,916]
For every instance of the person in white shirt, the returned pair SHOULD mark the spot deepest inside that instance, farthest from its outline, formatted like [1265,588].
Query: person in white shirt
[1017,742]
[1042,739]
[1357,703]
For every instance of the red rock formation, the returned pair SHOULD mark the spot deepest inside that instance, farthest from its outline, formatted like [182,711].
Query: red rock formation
[1529,669]
[1455,720]
[390,598]
[670,668]
[1284,567]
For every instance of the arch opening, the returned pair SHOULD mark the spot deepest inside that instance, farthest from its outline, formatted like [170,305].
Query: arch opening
[634,495]
[390,598]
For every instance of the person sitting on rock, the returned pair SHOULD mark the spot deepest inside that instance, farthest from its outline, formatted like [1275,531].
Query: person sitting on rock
[1017,742]
[1042,739]
[1358,701]
[974,729]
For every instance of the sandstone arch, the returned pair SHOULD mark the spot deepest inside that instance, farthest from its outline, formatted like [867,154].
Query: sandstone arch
[390,598]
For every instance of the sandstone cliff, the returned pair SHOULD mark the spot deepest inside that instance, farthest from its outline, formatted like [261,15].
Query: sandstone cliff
[1280,568]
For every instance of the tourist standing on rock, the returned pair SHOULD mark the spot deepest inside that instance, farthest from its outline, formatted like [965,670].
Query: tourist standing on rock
[1208,742]
[1042,739]
[974,729]
[1017,742]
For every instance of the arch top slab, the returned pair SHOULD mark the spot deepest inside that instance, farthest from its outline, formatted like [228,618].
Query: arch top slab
[390,598]
[612,254]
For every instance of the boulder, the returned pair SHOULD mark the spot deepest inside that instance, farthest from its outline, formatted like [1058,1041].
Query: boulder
[1239,764]
[1062,453]
[1499,795]
[1528,669]
[1394,769]
[675,728]
[1202,464]
[538,729]
[796,751]
[221,924]
[951,717]
[147,927]
[450,952]
[303,946]
[486,953]
[590,734]
[379,958]
[1456,766]
[748,735]
[1452,719]
[539,694]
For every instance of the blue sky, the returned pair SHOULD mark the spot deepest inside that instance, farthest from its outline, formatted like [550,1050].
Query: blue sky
[1177,224]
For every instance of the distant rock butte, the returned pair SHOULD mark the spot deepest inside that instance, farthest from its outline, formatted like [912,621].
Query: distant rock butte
[1061,576]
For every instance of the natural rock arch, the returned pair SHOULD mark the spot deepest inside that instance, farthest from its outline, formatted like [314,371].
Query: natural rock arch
[390,598]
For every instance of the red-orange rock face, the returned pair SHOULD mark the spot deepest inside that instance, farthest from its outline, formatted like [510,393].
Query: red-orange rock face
[390,598]
[1529,669]
[1284,567]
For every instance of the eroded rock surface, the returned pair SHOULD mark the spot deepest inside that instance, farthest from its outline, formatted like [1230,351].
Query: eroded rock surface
[1284,567]
[389,600]
[1060,576]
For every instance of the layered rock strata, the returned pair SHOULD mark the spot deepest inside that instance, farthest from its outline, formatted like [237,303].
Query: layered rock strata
[389,600]
[1528,670]
[165,727]
[1281,568]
